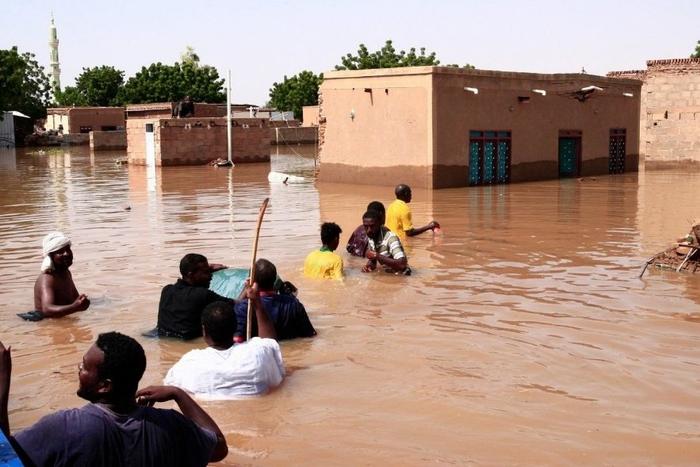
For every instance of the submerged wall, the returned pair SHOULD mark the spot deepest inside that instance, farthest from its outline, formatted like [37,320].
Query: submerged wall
[506,102]
[413,125]
[196,141]
[670,111]
[107,140]
[375,126]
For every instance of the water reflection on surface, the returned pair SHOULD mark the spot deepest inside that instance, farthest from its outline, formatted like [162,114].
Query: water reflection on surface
[524,335]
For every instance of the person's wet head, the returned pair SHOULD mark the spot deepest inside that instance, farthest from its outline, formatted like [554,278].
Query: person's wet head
[62,259]
[330,235]
[219,325]
[195,270]
[265,274]
[372,224]
[379,208]
[111,369]
[403,192]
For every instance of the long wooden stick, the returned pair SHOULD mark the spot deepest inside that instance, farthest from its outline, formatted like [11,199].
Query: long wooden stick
[249,322]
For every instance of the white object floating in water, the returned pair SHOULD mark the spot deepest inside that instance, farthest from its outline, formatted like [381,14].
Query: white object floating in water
[279,177]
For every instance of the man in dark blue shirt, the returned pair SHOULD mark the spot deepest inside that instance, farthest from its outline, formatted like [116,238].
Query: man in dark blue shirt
[286,312]
[119,426]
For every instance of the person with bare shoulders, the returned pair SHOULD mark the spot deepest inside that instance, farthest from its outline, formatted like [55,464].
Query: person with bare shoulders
[55,294]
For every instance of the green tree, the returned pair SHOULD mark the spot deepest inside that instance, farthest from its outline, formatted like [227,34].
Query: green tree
[386,57]
[23,84]
[189,56]
[466,66]
[295,92]
[697,51]
[169,83]
[98,86]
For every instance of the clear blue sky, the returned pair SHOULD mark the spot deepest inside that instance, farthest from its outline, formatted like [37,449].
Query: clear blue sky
[262,41]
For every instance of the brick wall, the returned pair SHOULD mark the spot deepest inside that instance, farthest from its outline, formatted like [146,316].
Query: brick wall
[194,141]
[670,111]
[105,140]
[284,123]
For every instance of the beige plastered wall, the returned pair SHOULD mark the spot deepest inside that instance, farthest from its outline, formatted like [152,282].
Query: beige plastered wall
[75,117]
[376,127]
[309,115]
[412,125]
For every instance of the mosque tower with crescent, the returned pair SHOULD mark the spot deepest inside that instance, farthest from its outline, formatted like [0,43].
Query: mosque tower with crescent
[55,66]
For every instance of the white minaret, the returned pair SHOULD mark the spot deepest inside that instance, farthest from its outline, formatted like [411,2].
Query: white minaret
[55,67]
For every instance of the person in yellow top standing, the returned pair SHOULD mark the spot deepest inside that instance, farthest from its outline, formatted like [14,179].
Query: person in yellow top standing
[398,215]
[323,263]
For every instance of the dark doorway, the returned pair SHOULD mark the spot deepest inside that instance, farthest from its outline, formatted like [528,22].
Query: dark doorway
[569,153]
[616,161]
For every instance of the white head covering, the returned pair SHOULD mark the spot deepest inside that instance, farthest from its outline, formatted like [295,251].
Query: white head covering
[52,242]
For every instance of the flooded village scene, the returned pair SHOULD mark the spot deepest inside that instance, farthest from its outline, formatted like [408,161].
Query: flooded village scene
[371,233]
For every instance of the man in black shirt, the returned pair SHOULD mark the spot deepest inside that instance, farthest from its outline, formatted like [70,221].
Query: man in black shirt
[181,304]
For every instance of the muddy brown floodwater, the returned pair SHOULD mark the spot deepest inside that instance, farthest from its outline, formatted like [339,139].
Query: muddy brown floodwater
[523,337]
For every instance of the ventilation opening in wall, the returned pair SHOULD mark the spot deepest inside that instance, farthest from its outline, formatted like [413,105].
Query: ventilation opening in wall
[666,115]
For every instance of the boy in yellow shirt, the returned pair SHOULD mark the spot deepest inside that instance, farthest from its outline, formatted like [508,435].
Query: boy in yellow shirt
[398,215]
[323,263]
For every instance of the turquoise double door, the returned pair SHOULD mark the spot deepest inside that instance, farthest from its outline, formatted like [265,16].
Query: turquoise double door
[569,156]
[489,158]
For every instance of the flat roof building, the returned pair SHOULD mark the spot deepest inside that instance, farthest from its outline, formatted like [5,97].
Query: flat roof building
[155,137]
[71,120]
[439,127]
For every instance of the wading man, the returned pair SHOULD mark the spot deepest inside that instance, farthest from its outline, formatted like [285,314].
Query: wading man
[357,244]
[286,312]
[224,370]
[325,263]
[119,426]
[399,218]
[55,294]
[181,304]
[384,247]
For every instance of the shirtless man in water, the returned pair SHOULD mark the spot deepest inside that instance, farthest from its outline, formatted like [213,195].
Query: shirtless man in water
[55,294]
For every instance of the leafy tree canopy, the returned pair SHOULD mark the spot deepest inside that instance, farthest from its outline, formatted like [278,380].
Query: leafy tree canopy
[23,84]
[466,66]
[169,83]
[295,92]
[386,57]
[98,86]
[189,56]
[697,51]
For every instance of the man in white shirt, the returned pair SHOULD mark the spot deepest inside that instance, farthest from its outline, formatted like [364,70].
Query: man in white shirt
[227,371]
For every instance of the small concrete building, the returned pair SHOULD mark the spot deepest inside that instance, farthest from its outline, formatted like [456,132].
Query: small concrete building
[439,127]
[670,111]
[309,115]
[7,130]
[70,120]
[154,137]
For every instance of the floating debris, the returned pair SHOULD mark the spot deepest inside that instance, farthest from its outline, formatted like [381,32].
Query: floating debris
[219,162]
[685,256]
[277,177]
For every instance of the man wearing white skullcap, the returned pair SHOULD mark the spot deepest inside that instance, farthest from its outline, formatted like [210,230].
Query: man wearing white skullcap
[55,294]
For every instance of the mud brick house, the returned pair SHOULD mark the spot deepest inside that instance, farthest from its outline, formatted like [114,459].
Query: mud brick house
[439,127]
